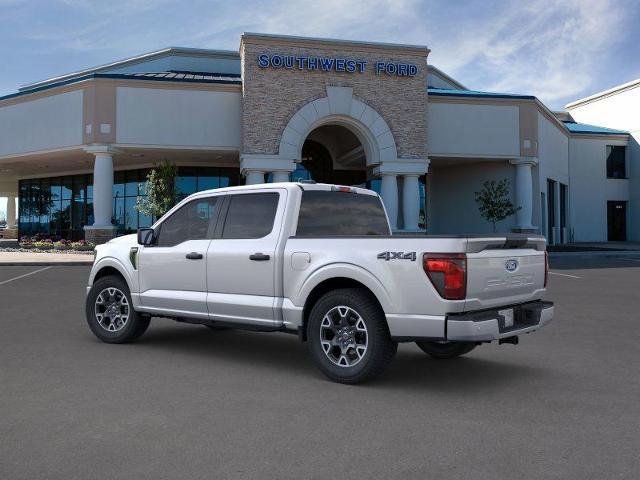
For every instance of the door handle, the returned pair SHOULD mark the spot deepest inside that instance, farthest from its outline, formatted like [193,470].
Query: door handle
[194,256]
[259,257]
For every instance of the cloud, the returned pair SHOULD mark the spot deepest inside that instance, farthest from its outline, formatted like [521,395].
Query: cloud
[557,50]
[547,48]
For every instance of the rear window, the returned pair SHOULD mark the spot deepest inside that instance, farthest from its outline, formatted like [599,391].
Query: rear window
[325,213]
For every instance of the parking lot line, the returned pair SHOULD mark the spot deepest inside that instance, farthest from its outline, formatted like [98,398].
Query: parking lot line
[25,275]
[564,275]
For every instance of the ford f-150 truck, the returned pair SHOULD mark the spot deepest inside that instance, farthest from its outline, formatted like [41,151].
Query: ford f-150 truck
[319,261]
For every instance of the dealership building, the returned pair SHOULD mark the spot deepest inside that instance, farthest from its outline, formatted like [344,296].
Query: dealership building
[75,150]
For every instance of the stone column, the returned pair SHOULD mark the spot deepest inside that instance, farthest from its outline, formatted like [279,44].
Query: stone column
[254,177]
[102,229]
[389,192]
[524,193]
[280,176]
[11,211]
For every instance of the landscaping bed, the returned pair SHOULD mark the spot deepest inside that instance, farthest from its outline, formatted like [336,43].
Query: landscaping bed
[47,245]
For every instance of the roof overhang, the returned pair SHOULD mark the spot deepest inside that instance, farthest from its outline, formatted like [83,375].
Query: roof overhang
[605,93]
[145,57]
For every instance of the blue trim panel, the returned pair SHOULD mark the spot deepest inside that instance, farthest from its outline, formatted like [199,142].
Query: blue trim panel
[120,76]
[584,128]
[442,92]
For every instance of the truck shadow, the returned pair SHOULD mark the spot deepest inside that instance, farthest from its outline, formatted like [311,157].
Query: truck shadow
[281,354]
[466,374]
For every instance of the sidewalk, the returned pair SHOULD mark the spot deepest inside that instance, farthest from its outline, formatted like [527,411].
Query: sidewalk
[595,248]
[36,259]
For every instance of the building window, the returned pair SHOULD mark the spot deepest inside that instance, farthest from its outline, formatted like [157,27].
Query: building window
[551,209]
[616,161]
[59,207]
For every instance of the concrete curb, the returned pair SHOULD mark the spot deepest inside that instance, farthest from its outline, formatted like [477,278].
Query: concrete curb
[595,253]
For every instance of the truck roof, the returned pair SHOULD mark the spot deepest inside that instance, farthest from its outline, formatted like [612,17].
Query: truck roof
[288,185]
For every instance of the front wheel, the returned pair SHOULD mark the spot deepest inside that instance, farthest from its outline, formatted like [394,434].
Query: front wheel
[348,336]
[444,350]
[110,313]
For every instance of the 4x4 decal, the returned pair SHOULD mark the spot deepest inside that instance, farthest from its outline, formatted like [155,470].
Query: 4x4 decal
[397,256]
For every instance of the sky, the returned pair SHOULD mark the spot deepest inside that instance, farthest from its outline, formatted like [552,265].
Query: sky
[557,50]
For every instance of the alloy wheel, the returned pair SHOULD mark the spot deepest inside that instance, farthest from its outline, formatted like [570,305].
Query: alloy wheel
[112,309]
[343,336]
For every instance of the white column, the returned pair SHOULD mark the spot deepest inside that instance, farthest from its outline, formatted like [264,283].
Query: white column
[524,193]
[102,187]
[11,212]
[253,167]
[410,202]
[390,197]
[254,177]
[280,176]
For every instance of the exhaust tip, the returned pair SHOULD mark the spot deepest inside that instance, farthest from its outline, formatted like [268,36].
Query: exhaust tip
[511,340]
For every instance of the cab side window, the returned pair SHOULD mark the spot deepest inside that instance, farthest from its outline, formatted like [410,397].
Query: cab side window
[251,215]
[191,222]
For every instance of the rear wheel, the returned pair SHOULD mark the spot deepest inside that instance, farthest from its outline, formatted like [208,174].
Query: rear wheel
[348,336]
[110,313]
[444,350]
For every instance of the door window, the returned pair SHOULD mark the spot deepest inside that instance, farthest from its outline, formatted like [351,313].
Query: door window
[191,222]
[251,215]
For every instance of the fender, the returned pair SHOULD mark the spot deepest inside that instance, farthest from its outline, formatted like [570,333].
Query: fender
[345,270]
[132,280]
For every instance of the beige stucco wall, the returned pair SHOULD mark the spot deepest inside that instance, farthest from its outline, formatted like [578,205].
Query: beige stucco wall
[467,129]
[54,121]
[620,111]
[453,209]
[271,96]
[590,189]
[178,117]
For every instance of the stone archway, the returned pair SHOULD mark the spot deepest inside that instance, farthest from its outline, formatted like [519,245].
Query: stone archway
[340,108]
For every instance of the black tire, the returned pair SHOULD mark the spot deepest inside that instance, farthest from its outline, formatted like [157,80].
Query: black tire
[379,349]
[445,350]
[134,326]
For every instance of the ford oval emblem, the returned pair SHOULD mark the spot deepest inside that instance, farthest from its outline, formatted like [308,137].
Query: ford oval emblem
[511,265]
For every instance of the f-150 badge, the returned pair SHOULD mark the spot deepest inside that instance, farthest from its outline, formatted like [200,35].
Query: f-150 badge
[397,256]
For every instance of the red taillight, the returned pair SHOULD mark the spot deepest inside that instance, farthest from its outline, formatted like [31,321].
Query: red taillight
[546,268]
[448,273]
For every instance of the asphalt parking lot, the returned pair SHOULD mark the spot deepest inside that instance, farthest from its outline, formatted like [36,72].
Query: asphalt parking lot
[185,402]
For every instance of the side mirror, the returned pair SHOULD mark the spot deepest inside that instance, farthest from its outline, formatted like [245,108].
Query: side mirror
[146,237]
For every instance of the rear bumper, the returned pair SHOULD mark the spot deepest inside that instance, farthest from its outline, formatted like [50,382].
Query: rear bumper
[479,326]
[489,325]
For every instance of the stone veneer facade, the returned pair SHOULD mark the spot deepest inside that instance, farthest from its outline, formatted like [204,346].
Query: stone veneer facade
[272,96]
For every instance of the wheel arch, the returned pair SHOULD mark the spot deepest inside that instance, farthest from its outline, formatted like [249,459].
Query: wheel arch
[111,266]
[334,278]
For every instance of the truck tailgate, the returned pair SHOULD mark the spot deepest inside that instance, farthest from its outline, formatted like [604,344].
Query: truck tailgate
[507,274]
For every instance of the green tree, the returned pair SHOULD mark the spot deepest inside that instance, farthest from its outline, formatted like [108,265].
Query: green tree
[161,191]
[494,201]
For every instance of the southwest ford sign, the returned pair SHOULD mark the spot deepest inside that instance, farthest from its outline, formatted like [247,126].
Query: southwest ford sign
[333,64]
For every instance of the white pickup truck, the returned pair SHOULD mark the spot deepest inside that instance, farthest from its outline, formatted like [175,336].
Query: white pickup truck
[318,261]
